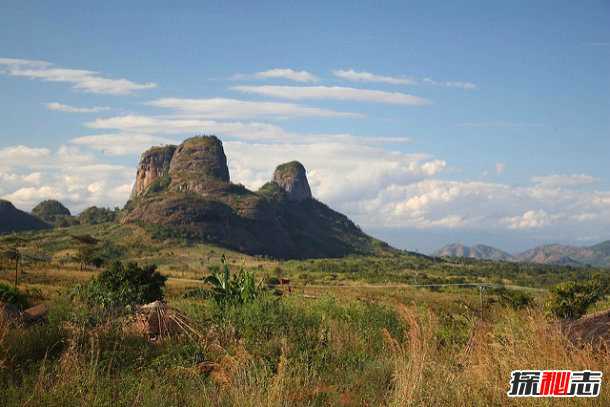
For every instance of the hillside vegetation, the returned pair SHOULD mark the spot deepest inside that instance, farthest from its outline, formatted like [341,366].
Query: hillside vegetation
[351,331]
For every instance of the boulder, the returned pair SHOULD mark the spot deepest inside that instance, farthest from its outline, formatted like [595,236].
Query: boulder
[36,314]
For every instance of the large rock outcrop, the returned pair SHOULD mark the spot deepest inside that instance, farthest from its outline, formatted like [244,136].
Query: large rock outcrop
[154,166]
[14,220]
[196,199]
[199,165]
[292,178]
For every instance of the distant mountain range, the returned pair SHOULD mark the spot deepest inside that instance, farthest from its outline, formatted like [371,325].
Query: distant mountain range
[556,254]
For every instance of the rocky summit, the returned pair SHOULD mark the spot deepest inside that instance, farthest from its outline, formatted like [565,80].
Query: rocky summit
[292,178]
[186,191]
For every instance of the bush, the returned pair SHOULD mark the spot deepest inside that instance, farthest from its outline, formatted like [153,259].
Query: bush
[13,296]
[571,300]
[122,286]
[515,299]
[95,215]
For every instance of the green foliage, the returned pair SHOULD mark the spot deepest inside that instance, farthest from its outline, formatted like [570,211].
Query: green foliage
[570,300]
[123,286]
[159,185]
[53,212]
[230,288]
[95,215]
[515,299]
[11,295]
[197,293]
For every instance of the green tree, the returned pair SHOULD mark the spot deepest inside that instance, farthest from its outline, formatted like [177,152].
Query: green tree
[570,300]
[122,285]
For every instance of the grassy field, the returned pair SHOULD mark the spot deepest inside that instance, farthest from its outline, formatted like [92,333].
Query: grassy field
[348,332]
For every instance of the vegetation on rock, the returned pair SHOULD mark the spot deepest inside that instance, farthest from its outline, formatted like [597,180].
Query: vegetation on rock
[95,215]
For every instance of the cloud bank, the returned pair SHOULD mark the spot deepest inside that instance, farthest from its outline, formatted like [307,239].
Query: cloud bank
[84,80]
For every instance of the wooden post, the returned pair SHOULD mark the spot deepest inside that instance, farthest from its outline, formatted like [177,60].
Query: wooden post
[16,268]
[481,300]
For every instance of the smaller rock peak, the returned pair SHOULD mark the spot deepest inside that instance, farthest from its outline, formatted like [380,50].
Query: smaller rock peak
[292,178]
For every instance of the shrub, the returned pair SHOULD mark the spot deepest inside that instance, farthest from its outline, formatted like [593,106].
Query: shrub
[122,286]
[571,300]
[95,215]
[13,296]
[515,299]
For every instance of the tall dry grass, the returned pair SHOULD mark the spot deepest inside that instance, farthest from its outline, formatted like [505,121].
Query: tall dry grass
[424,375]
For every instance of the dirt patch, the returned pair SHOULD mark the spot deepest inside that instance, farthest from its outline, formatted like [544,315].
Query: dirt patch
[592,329]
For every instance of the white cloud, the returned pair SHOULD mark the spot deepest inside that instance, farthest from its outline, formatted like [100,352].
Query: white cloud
[279,73]
[338,172]
[221,108]
[334,93]
[146,128]
[20,154]
[67,174]
[500,124]
[298,76]
[354,76]
[558,180]
[121,144]
[87,81]
[72,109]
[450,84]
[533,219]
[154,125]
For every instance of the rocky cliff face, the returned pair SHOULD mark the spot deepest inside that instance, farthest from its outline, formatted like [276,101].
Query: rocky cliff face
[154,165]
[195,199]
[292,178]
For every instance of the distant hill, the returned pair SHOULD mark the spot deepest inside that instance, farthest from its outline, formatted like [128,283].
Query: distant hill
[15,220]
[54,213]
[479,251]
[597,255]
[186,190]
[552,254]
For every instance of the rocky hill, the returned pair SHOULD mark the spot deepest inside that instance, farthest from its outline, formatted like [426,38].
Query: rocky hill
[14,220]
[54,213]
[475,252]
[553,254]
[186,190]
[597,255]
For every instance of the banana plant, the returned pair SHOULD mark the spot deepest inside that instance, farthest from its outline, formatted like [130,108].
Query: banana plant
[239,288]
[220,281]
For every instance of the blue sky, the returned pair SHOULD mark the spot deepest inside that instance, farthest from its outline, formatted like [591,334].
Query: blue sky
[426,123]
